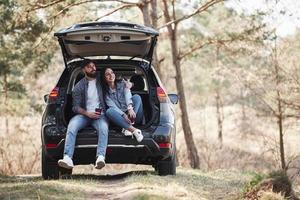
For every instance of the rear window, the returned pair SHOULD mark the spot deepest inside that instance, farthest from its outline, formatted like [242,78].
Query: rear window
[133,74]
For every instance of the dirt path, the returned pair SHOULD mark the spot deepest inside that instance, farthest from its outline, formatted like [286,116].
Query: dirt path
[187,184]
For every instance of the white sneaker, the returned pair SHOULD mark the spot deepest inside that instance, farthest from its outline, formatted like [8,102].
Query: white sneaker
[126,132]
[100,162]
[138,135]
[66,162]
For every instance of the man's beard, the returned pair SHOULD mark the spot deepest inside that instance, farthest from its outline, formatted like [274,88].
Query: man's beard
[91,74]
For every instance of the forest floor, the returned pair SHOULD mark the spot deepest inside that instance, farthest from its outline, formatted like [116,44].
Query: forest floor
[187,184]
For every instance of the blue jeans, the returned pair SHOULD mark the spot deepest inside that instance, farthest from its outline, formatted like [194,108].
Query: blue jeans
[117,118]
[79,122]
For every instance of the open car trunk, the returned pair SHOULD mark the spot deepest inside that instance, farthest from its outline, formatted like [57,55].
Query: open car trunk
[141,87]
[107,39]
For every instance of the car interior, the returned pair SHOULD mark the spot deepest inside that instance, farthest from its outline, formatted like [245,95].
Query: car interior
[134,75]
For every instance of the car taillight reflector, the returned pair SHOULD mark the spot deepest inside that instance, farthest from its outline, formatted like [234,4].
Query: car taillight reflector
[51,145]
[161,94]
[54,94]
[109,150]
[165,145]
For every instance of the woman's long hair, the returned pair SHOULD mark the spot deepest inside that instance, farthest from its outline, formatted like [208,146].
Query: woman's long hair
[105,87]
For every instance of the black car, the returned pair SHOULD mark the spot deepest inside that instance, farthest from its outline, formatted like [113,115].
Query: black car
[127,49]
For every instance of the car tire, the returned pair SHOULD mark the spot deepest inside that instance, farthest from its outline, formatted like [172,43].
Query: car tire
[167,167]
[50,169]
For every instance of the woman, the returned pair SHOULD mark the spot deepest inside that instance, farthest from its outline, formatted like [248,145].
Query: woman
[124,109]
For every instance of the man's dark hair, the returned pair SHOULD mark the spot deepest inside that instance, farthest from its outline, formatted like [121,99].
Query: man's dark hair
[85,62]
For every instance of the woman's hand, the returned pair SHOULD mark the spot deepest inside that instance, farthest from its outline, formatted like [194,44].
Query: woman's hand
[131,114]
[126,118]
[128,84]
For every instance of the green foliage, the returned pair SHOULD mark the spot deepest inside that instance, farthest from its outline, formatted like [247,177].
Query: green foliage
[280,177]
[279,180]
[257,178]
[21,49]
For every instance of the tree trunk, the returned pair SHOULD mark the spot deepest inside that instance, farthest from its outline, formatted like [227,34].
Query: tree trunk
[5,88]
[281,142]
[154,19]
[218,100]
[280,110]
[151,20]
[144,6]
[219,117]
[154,13]
[188,135]
[242,97]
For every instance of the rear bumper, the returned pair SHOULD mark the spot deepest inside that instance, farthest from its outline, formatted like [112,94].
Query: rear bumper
[119,150]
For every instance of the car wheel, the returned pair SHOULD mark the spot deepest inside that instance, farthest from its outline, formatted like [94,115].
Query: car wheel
[50,168]
[167,167]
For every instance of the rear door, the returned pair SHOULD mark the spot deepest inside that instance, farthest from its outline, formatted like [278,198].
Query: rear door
[107,39]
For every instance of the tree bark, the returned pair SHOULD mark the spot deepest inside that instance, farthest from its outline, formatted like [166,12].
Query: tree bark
[218,100]
[150,19]
[188,135]
[144,6]
[280,110]
[219,116]
[154,20]
[5,88]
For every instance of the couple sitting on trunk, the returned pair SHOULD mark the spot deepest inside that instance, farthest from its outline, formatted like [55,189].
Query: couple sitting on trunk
[91,97]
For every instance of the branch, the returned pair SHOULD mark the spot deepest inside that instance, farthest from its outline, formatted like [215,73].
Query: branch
[126,2]
[290,104]
[46,35]
[241,80]
[72,5]
[291,116]
[115,10]
[199,10]
[239,37]
[126,5]
[161,60]
[195,48]
[42,6]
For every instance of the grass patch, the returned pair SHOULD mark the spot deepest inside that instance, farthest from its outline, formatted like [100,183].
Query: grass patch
[146,196]
[22,188]
[192,184]
[140,185]
[257,178]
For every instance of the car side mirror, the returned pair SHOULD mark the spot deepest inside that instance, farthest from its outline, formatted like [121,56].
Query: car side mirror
[46,97]
[173,98]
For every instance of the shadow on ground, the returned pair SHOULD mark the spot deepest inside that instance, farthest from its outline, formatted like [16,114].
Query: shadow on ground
[110,177]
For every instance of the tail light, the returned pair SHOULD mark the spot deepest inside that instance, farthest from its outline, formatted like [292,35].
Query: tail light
[54,94]
[51,145]
[161,94]
[164,145]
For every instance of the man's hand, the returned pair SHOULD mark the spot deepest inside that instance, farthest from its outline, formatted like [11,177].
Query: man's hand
[93,115]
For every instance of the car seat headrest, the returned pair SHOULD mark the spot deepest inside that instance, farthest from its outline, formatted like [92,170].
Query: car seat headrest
[138,83]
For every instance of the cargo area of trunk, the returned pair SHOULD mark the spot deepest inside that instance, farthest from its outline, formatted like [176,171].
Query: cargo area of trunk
[150,113]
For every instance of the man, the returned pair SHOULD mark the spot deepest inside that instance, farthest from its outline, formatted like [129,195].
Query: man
[89,106]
